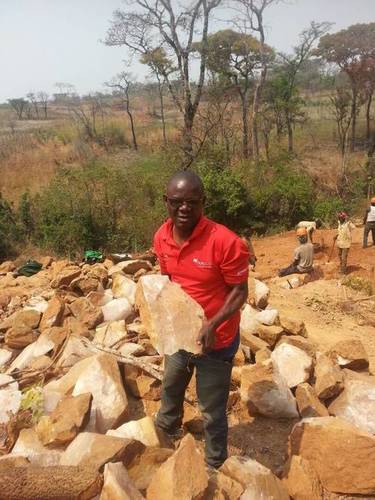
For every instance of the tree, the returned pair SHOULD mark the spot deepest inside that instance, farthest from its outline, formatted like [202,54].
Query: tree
[289,68]
[121,84]
[349,49]
[234,57]
[341,104]
[160,65]
[34,104]
[43,102]
[157,24]
[19,105]
[253,10]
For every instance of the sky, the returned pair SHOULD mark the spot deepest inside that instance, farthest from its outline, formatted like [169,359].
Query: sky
[47,41]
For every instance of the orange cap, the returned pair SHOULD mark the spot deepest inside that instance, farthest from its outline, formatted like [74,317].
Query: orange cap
[372,199]
[301,231]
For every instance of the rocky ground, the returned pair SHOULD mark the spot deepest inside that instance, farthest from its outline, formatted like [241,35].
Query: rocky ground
[80,382]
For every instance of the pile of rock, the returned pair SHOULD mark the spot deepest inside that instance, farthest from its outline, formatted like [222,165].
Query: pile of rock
[281,373]
[80,357]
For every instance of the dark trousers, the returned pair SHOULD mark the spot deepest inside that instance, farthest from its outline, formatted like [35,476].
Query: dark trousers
[212,383]
[292,269]
[369,226]
[343,255]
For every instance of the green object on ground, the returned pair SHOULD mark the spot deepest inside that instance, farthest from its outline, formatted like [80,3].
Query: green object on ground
[92,256]
[30,268]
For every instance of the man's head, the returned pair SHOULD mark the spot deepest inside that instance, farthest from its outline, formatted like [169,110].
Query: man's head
[184,199]
[372,201]
[343,216]
[318,223]
[302,234]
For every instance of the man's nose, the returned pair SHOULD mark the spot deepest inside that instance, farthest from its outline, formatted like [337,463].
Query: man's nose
[185,206]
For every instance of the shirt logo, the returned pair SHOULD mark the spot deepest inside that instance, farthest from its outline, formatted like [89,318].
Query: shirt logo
[202,264]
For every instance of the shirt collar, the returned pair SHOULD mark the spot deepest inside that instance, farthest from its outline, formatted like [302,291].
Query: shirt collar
[198,230]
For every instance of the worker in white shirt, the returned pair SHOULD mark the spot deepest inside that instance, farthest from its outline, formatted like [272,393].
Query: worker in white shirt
[310,227]
[369,222]
[344,239]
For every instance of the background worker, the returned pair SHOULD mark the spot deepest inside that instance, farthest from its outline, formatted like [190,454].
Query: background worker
[369,222]
[303,255]
[310,227]
[246,239]
[344,239]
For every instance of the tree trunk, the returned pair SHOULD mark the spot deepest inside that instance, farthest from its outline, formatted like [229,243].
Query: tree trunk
[290,134]
[354,118]
[256,104]
[187,138]
[245,128]
[161,98]
[132,126]
[368,117]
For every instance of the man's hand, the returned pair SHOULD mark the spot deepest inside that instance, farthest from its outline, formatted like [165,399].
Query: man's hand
[206,337]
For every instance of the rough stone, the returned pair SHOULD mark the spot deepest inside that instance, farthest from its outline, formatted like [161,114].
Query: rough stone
[171,317]
[300,342]
[99,299]
[73,352]
[249,324]
[69,417]
[123,288]
[117,309]
[293,363]
[341,454]
[293,326]
[267,317]
[308,402]
[53,316]
[65,277]
[74,326]
[117,484]
[110,334]
[141,385]
[328,378]
[258,481]
[142,430]
[85,312]
[84,285]
[95,450]
[301,480]
[270,334]
[254,343]
[5,357]
[49,483]
[258,293]
[350,354]
[29,446]
[7,267]
[265,391]
[41,346]
[130,267]
[10,398]
[182,476]
[223,487]
[20,337]
[144,466]
[8,462]
[356,403]
[262,355]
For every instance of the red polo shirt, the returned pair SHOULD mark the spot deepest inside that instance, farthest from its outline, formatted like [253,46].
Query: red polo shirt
[206,266]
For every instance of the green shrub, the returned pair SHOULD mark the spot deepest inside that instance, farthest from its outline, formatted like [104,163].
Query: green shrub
[327,209]
[10,233]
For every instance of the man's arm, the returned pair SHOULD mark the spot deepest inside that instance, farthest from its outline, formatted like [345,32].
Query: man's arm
[234,301]
[365,216]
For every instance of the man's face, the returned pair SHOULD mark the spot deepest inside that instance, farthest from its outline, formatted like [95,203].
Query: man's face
[184,202]
[342,220]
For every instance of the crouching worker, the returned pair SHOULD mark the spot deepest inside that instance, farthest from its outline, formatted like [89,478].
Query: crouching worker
[303,255]
[210,263]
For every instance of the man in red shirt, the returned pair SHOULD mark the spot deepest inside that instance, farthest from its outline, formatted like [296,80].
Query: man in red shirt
[210,263]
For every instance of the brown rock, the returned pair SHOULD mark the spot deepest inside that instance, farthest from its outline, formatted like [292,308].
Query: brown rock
[192,419]
[341,454]
[75,327]
[182,476]
[65,277]
[293,363]
[270,334]
[257,480]
[57,335]
[254,343]
[50,483]
[265,392]
[171,317]
[292,326]
[8,462]
[40,363]
[7,267]
[142,430]
[301,480]
[53,316]
[86,313]
[329,378]
[26,319]
[99,272]
[350,354]
[308,402]
[64,423]
[84,285]
[130,267]
[144,466]
[262,355]
[46,261]
[300,342]
[20,337]
[95,450]
[29,446]
[117,484]
[222,487]
[4,300]
[141,385]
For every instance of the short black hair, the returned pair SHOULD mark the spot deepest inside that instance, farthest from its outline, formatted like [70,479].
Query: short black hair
[188,176]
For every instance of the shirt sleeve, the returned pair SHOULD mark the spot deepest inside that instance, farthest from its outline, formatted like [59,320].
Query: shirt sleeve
[159,255]
[234,264]
[297,254]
